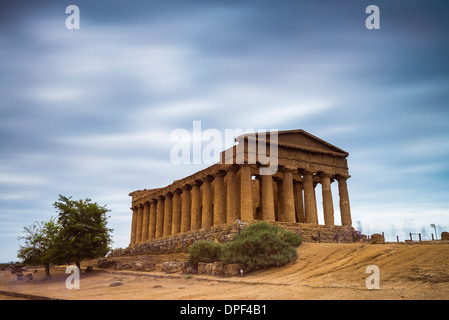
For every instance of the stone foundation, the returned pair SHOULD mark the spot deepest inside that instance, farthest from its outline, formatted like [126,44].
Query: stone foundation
[226,232]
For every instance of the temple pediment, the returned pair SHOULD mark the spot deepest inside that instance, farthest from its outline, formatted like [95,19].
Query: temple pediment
[303,140]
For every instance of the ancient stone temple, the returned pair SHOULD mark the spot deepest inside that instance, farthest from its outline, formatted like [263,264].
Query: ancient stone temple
[237,188]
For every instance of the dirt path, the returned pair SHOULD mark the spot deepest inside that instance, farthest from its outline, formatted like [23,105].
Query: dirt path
[322,271]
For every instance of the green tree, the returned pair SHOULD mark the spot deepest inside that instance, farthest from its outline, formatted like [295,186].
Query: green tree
[84,234]
[40,242]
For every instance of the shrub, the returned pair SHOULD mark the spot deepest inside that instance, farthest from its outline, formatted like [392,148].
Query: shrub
[204,251]
[260,246]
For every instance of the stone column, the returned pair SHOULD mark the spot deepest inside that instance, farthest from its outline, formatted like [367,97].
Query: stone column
[195,195]
[207,214]
[309,198]
[133,227]
[176,212]
[328,205]
[267,198]
[219,199]
[153,214]
[139,224]
[275,198]
[160,217]
[345,209]
[280,199]
[168,211]
[185,208]
[288,197]
[299,204]
[246,193]
[146,221]
[231,195]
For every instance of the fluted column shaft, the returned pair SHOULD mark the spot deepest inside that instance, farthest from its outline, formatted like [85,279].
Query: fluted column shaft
[160,217]
[219,199]
[146,221]
[246,194]
[299,203]
[176,215]
[153,214]
[207,214]
[185,208]
[280,200]
[267,199]
[195,195]
[288,196]
[231,195]
[309,198]
[133,226]
[328,205]
[139,224]
[345,209]
[168,211]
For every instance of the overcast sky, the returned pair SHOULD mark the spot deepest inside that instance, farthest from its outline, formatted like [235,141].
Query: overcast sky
[88,113]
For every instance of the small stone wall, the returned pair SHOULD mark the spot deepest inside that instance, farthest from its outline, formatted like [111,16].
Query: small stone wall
[226,232]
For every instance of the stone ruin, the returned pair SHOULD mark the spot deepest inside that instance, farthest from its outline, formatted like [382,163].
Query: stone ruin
[234,191]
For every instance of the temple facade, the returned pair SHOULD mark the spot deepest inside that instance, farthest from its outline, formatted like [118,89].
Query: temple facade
[238,188]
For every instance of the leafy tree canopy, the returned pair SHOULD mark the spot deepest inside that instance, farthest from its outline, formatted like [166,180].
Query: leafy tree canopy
[84,234]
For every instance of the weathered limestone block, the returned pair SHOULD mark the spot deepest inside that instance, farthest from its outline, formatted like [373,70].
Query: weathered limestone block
[188,268]
[202,267]
[149,266]
[377,238]
[172,266]
[444,235]
[231,269]
[218,268]
[123,266]
[208,268]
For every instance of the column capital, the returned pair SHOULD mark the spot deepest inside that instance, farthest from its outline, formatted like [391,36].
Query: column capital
[186,187]
[160,197]
[196,183]
[207,178]
[168,194]
[323,174]
[306,171]
[342,177]
[177,191]
[233,168]
[288,169]
[219,174]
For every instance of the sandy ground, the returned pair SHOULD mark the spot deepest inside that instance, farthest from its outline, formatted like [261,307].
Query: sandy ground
[322,271]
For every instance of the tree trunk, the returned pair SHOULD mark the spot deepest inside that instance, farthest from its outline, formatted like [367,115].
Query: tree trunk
[47,270]
[78,265]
